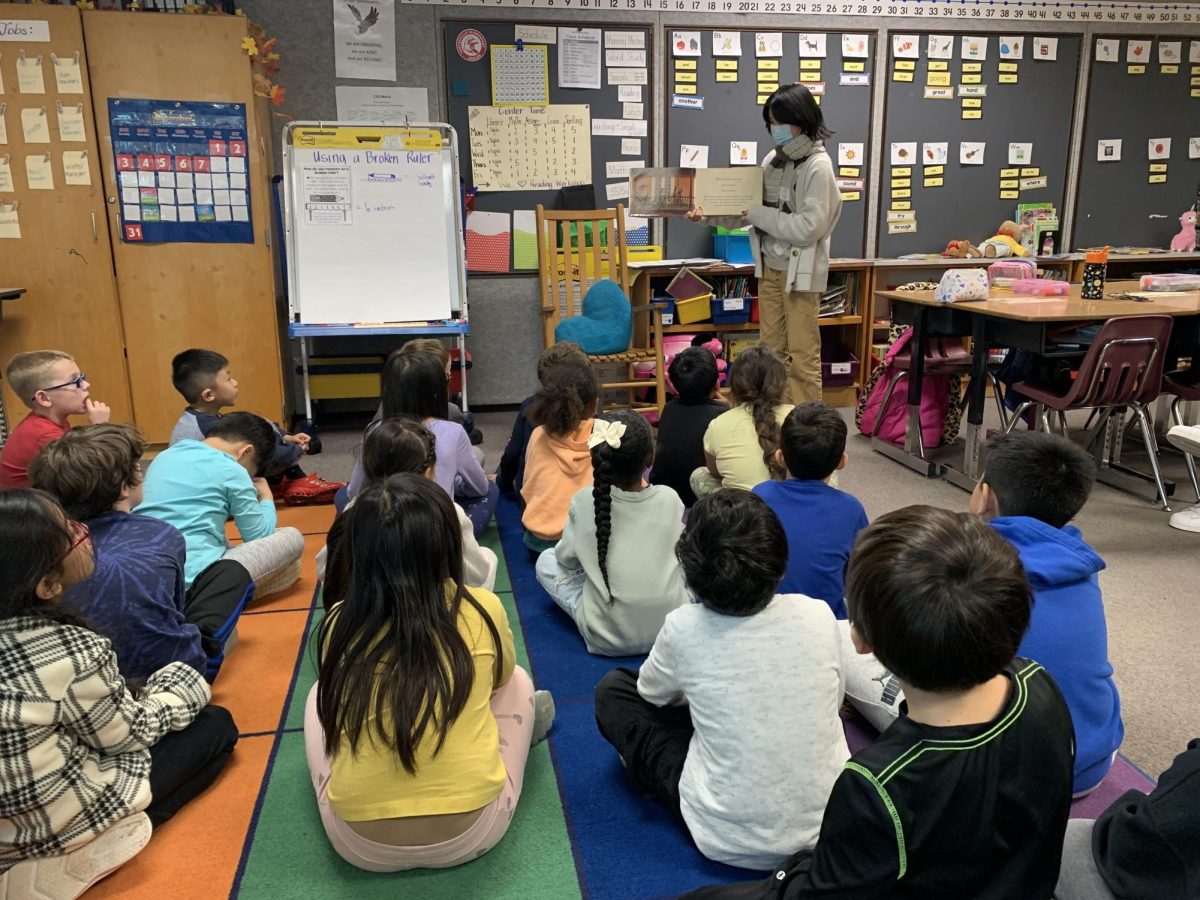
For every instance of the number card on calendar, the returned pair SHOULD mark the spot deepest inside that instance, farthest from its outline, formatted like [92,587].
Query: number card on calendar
[183,171]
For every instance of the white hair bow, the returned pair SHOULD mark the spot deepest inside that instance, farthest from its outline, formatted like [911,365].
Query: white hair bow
[606,432]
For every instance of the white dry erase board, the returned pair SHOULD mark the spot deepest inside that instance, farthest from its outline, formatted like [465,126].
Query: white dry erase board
[374,223]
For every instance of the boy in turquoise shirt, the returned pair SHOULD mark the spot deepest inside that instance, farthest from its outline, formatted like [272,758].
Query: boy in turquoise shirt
[198,485]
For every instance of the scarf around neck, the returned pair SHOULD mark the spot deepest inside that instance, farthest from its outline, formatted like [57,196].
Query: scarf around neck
[798,148]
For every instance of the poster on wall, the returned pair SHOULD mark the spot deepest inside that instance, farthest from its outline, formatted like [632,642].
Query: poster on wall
[182,171]
[364,39]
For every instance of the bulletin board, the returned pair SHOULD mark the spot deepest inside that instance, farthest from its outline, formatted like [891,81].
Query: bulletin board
[467,48]
[1117,202]
[731,112]
[1035,107]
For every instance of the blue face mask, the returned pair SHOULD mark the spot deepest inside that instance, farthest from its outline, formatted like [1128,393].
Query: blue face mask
[781,134]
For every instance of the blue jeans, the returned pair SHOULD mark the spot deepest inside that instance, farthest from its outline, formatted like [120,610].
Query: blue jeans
[480,509]
[564,585]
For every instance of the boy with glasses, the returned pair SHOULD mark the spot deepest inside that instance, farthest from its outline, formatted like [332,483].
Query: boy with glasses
[50,384]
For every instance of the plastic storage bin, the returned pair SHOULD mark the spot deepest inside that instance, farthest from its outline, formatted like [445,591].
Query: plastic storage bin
[668,309]
[734,248]
[731,310]
[695,309]
[839,367]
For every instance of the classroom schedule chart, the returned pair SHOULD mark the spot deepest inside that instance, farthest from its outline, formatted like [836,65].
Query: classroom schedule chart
[182,171]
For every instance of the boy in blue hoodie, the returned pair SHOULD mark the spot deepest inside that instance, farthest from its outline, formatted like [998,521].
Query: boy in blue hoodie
[1033,485]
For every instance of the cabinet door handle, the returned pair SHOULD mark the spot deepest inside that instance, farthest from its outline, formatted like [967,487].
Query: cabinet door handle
[95,236]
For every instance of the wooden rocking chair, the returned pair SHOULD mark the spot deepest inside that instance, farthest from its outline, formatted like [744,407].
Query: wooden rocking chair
[577,248]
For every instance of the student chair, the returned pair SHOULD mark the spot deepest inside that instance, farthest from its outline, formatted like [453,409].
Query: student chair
[577,248]
[1122,369]
[1184,386]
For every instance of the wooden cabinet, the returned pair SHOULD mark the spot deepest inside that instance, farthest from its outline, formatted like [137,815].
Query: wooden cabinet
[63,257]
[175,296]
[124,310]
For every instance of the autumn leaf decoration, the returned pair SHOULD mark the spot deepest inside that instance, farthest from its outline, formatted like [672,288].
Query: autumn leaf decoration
[264,58]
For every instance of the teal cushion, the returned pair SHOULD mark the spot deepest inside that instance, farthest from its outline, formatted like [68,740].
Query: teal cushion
[606,325]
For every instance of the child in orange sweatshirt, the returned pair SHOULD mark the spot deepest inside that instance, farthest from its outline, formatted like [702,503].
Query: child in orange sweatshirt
[558,461]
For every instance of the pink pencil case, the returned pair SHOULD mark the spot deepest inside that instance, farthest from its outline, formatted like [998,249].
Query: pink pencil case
[1171,282]
[1040,287]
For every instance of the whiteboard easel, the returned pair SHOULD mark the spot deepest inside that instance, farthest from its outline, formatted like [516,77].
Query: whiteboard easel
[373,222]
[373,225]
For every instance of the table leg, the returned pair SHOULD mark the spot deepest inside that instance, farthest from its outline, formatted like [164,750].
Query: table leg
[462,361]
[916,381]
[912,454]
[976,400]
[304,351]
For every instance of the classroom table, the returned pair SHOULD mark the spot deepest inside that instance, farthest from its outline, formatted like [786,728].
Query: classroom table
[456,328]
[1009,320]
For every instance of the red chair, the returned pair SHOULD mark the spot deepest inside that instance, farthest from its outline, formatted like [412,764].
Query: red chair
[1184,386]
[1122,369]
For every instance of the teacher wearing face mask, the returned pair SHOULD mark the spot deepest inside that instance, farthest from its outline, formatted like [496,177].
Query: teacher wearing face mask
[790,234]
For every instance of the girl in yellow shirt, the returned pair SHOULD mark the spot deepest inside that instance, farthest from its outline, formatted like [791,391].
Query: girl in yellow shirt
[420,723]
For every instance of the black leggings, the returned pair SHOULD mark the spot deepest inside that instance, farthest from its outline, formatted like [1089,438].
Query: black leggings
[184,763]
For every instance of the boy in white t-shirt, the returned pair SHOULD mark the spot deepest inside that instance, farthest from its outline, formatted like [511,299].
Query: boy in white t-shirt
[733,719]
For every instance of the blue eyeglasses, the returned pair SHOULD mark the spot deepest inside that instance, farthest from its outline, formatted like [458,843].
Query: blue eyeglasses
[76,382]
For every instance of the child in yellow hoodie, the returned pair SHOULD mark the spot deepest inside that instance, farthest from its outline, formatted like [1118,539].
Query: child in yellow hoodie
[557,462]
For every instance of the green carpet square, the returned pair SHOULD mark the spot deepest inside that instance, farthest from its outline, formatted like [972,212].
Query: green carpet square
[291,857]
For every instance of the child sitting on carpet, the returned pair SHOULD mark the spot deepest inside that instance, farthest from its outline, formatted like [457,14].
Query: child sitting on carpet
[203,379]
[685,419]
[558,461]
[613,572]
[740,445]
[136,594]
[50,384]
[420,723]
[414,386]
[732,721]
[966,794]
[821,521]
[197,486]
[511,474]
[88,765]
[1033,485]
[405,445]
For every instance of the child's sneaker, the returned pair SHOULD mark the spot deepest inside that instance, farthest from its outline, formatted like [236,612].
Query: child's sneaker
[1187,520]
[543,716]
[69,875]
[311,489]
[1186,438]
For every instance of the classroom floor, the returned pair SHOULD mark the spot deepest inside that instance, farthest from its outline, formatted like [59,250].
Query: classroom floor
[579,831]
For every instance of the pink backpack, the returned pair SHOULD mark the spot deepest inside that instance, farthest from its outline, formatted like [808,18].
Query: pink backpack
[935,401]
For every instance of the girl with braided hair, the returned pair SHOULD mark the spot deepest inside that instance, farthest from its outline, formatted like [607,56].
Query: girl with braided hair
[740,445]
[614,571]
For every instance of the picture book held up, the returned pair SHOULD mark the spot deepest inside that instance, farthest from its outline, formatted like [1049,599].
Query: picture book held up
[673,191]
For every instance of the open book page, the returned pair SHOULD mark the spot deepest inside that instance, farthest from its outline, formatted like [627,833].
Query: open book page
[728,192]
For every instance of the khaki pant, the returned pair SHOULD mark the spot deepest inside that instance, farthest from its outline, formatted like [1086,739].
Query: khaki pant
[790,328]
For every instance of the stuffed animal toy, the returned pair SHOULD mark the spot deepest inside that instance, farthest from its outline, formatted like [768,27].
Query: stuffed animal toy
[1006,241]
[606,324]
[962,250]
[1185,241]
[709,342]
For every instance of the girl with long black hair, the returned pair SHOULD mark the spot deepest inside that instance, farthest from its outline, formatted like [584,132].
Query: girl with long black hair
[613,572]
[420,723]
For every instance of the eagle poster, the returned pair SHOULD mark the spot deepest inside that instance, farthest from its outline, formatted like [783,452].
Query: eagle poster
[364,39]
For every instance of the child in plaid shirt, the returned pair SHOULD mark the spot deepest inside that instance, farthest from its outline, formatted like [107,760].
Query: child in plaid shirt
[87,765]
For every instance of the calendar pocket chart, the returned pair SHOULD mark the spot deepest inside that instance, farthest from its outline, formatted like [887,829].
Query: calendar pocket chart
[182,171]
